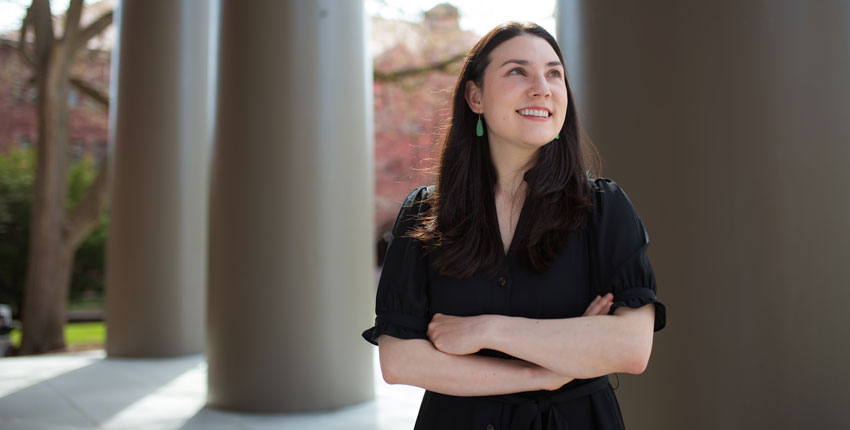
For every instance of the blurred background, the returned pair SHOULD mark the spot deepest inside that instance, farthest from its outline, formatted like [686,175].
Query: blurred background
[220,177]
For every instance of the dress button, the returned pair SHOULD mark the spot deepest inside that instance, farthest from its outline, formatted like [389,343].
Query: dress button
[503,282]
[491,427]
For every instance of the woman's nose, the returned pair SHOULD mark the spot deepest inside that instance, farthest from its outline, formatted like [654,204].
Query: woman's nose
[539,87]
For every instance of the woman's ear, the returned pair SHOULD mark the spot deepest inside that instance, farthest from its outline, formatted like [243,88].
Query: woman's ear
[472,94]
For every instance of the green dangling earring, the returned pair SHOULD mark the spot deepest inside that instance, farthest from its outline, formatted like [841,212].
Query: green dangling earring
[479,128]
[557,136]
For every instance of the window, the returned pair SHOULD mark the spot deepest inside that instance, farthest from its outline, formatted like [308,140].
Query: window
[78,148]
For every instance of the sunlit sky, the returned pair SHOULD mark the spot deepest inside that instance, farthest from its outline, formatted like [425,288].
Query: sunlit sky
[475,15]
[11,13]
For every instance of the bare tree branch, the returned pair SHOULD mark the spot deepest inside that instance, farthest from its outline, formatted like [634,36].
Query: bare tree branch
[86,214]
[42,20]
[95,94]
[22,41]
[72,22]
[406,73]
[93,29]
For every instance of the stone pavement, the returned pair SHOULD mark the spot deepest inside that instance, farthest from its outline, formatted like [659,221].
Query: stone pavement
[87,391]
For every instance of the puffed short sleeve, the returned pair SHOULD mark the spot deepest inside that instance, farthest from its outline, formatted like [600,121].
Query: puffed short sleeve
[619,251]
[401,304]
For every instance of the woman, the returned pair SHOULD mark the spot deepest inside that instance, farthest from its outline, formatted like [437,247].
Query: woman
[486,298]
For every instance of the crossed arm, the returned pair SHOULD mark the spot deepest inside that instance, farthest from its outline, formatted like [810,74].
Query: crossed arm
[597,344]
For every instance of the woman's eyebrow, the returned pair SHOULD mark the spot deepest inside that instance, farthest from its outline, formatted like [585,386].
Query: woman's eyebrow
[525,62]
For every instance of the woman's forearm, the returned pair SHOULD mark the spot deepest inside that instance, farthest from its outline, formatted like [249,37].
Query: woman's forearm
[584,347]
[416,362]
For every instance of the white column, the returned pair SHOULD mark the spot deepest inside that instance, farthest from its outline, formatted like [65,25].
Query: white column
[291,256]
[156,257]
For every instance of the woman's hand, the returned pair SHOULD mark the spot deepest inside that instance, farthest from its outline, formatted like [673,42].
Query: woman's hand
[465,335]
[458,335]
[551,380]
[600,305]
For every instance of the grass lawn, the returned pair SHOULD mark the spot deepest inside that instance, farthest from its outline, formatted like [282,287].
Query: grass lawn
[76,334]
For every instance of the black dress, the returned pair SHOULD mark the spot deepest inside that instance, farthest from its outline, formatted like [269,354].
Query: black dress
[608,255]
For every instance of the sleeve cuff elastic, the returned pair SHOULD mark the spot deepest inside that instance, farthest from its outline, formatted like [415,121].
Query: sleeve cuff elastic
[397,325]
[639,296]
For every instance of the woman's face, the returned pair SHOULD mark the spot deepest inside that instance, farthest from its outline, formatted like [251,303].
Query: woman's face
[524,93]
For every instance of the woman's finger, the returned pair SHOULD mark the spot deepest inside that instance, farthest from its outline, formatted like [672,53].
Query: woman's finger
[607,301]
[599,306]
[592,308]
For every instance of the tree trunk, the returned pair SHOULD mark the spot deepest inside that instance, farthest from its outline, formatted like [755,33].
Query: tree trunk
[43,320]
[54,233]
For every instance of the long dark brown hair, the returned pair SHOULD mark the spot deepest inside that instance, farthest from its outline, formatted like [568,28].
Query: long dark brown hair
[460,226]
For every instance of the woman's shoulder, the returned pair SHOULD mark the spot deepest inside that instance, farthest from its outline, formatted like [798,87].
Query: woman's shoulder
[412,209]
[610,202]
[603,185]
[607,191]
[418,196]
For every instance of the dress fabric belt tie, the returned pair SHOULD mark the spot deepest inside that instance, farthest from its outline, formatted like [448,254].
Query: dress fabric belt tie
[530,411]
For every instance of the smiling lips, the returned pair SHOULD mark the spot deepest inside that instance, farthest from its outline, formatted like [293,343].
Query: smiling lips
[537,114]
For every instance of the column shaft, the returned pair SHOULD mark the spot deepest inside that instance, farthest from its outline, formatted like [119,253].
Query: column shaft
[291,256]
[725,121]
[156,264]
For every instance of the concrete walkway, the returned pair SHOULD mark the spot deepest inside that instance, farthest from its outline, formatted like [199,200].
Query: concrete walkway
[88,391]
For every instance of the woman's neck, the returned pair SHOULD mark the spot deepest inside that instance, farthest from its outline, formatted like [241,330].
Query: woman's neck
[510,162]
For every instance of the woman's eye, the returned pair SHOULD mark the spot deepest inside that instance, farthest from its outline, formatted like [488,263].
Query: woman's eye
[555,73]
[516,71]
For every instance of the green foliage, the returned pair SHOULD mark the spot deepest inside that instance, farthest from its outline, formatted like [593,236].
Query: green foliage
[89,261]
[17,174]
